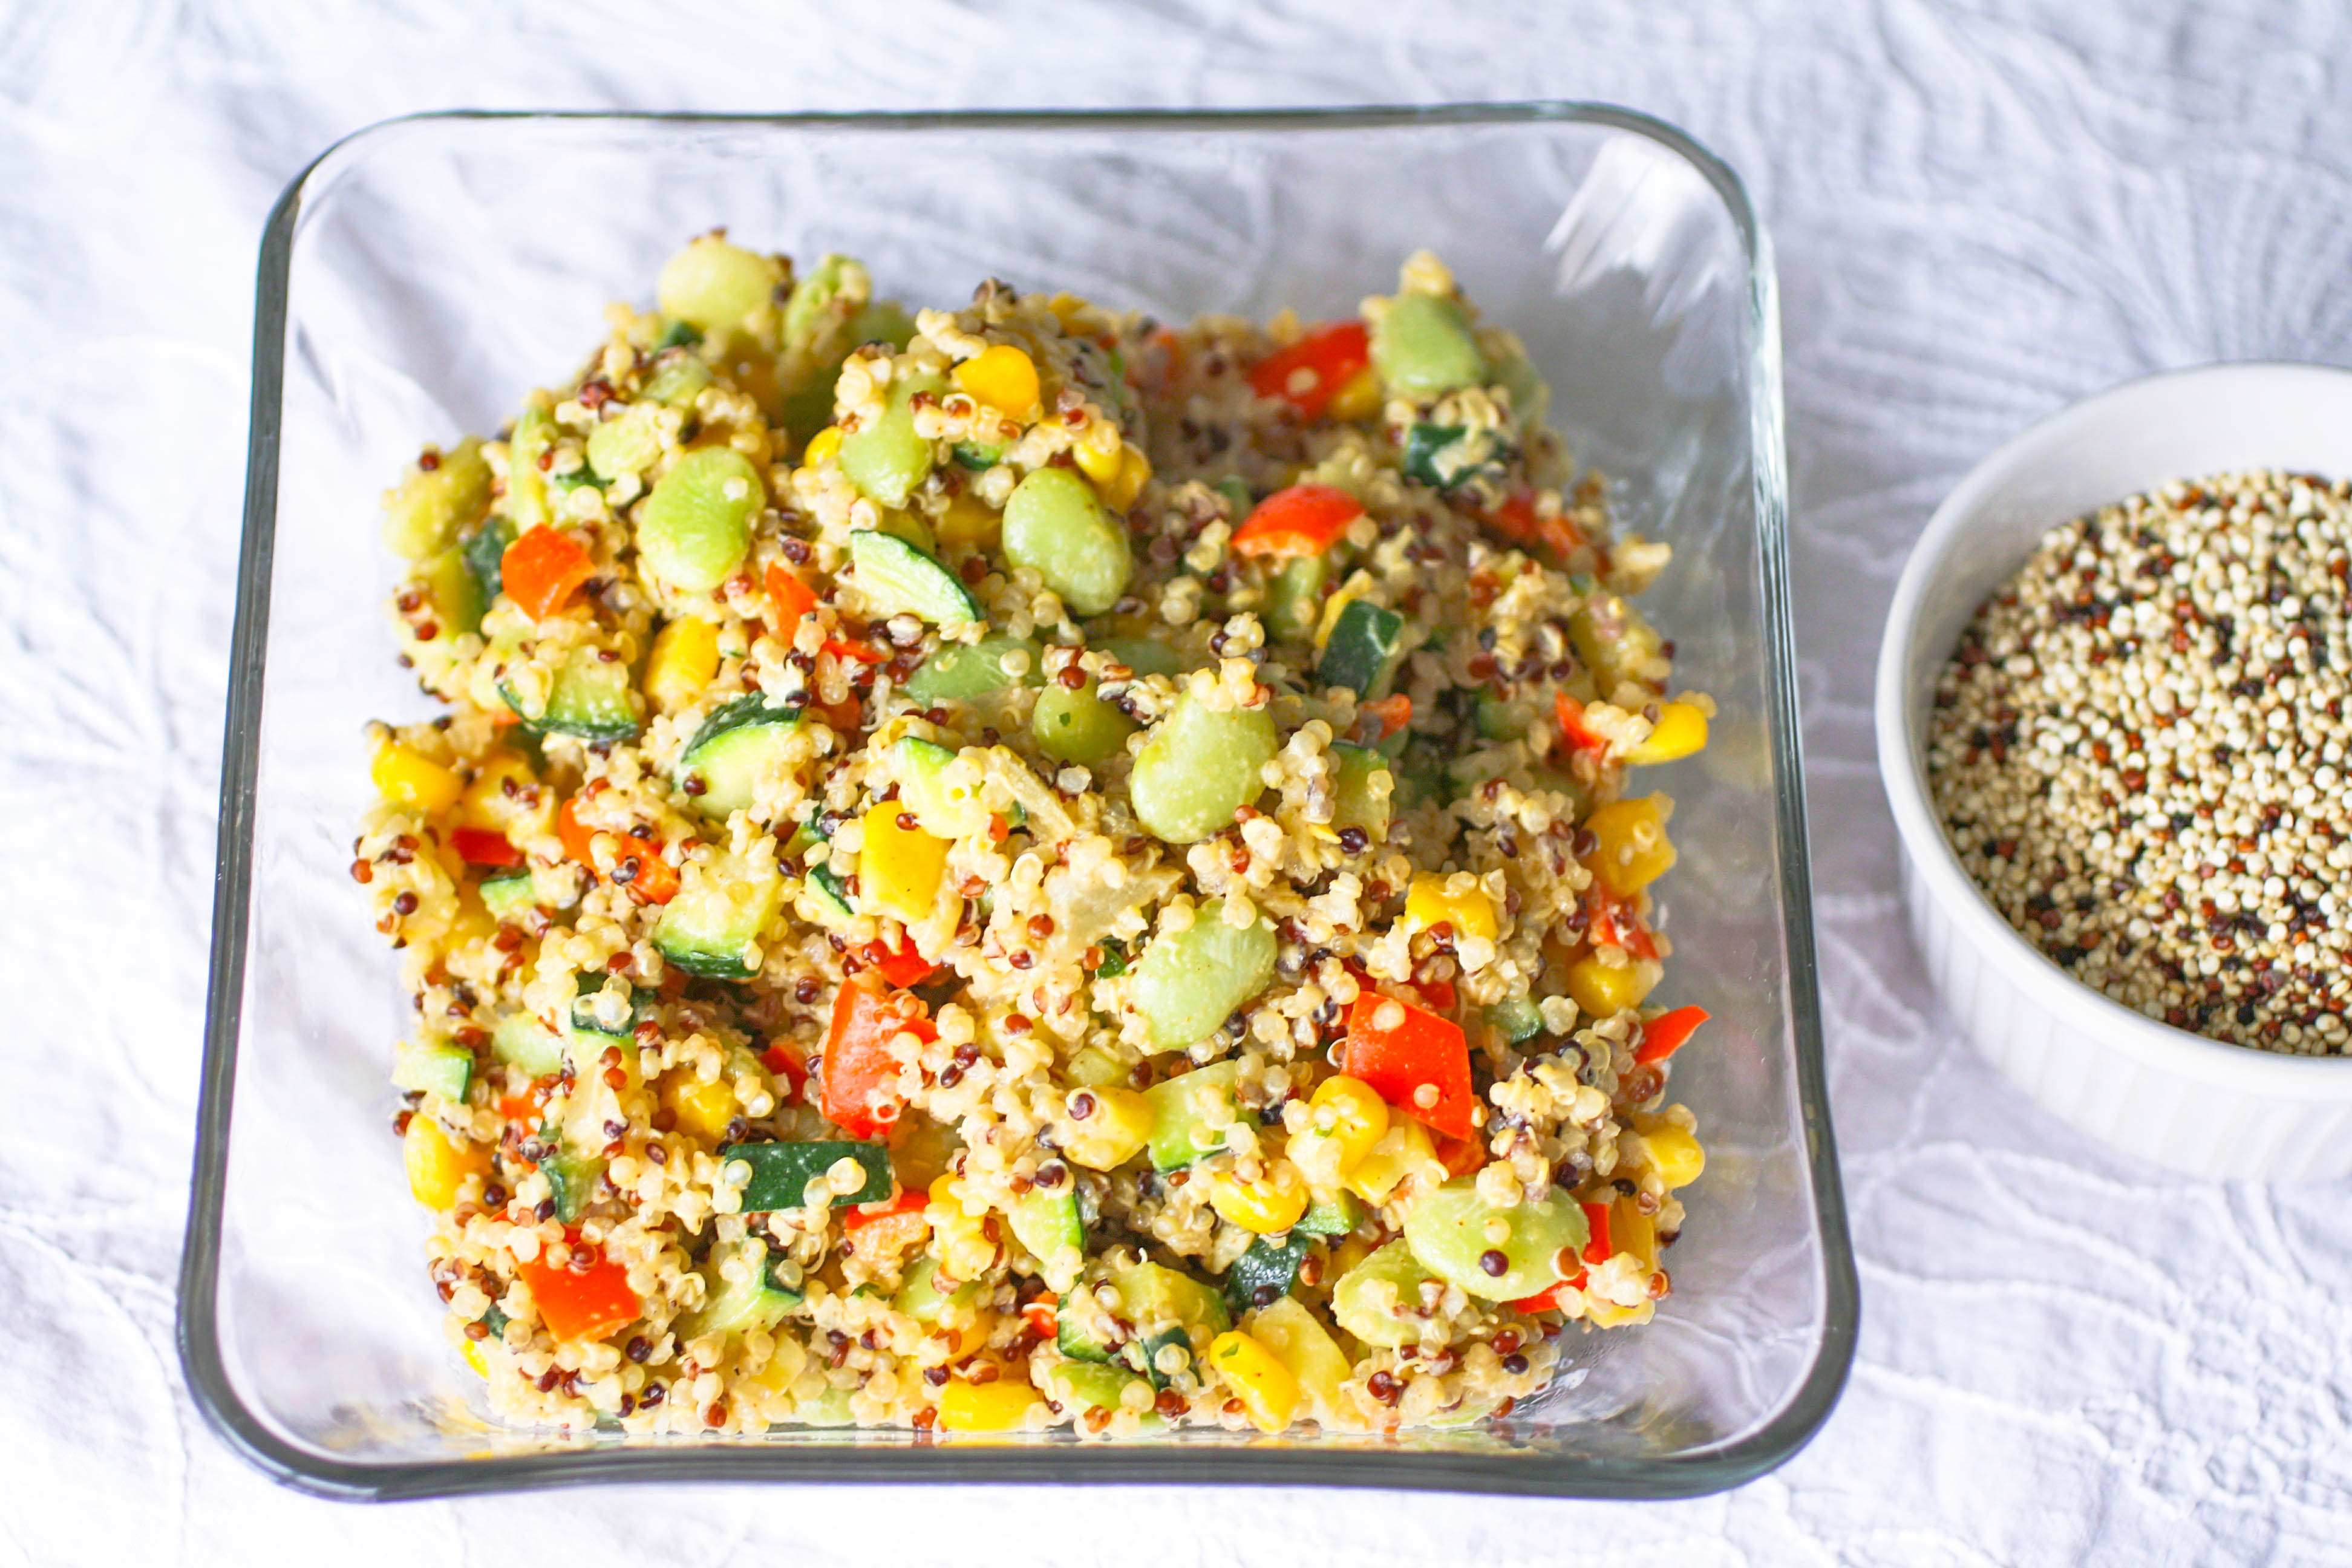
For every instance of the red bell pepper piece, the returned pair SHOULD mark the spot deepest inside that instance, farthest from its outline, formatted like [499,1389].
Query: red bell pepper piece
[1310,372]
[794,598]
[783,1059]
[1664,1035]
[1548,1299]
[1304,519]
[1415,1050]
[902,966]
[1598,1249]
[886,1228]
[858,1072]
[1387,716]
[1460,1156]
[576,1304]
[1572,732]
[540,570]
[638,866]
[857,650]
[576,835]
[480,846]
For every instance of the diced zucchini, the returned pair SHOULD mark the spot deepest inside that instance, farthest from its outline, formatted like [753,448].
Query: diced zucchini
[945,804]
[1089,1386]
[694,529]
[961,672]
[1362,654]
[1199,766]
[896,576]
[1190,1113]
[781,1173]
[1612,638]
[591,698]
[741,743]
[1267,1272]
[1363,788]
[1188,983]
[1047,1223]
[627,443]
[738,1306]
[719,909]
[485,552]
[920,1298]
[1056,526]
[1078,726]
[1334,1215]
[1448,1233]
[977,455]
[456,600]
[1423,347]
[534,434]
[1516,1018]
[571,1180]
[1167,1308]
[589,1016]
[833,889]
[884,458]
[520,1040]
[1379,1300]
[1294,599]
[1071,1336]
[1501,720]
[432,506]
[509,895]
[1444,456]
[445,1070]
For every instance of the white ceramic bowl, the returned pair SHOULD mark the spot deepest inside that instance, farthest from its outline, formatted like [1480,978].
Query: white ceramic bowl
[2149,1089]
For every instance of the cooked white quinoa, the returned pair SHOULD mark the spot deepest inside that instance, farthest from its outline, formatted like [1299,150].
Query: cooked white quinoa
[2139,752]
[920,827]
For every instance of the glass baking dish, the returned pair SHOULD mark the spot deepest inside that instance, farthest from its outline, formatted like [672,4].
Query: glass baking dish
[421,276]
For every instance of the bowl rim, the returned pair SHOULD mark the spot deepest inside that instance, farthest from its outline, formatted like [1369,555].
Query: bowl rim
[2149,1042]
[1763,1446]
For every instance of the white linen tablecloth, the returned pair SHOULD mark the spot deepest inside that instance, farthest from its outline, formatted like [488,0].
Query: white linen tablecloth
[1981,211]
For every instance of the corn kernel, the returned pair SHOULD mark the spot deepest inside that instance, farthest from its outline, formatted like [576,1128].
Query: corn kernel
[703,1108]
[898,869]
[473,1354]
[1674,1154]
[970,523]
[685,658]
[436,1166]
[1602,989]
[1634,849]
[1347,1119]
[1100,464]
[1631,1230]
[1000,1406]
[1065,307]
[1265,1207]
[1358,396]
[821,448]
[1115,1129]
[1680,731]
[1403,1151]
[405,776]
[1456,900]
[1134,473]
[1266,1387]
[1002,377]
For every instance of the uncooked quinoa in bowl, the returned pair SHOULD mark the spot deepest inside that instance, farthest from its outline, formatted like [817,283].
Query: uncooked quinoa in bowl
[2138,753]
[1019,865]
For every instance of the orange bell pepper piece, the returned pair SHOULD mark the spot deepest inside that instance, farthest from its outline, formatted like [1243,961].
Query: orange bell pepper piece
[1310,372]
[1417,1061]
[540,570]
[580,1304]
[1304,519]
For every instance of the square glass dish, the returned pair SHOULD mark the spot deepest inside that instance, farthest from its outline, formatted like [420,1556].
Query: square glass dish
[420,277]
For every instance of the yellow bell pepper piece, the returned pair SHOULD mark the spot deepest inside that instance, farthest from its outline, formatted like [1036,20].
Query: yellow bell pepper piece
[1403,1151]
[821,448]
[1000,1406]
[1001,377]
[1674,1154]
[970,523]
[473,1354]
[1301,1344]
[1267,1389]
[1608,1315]
[1114,1130]
[1456,900]
[1631,1230]
[1265,1207]
[685,658]
[1345,1121]
[1358,396]
[899,867]
[702,1108]
[1634,850]
[405,776]
[1680,731]
[488,803]
[1602,989]
[437,1166]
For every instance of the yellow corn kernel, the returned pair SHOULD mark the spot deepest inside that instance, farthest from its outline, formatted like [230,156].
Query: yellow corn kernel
[1456,900]
[898,869]
[1403,1151]
[473,1354]
[405,776]
[1631,1230]
[1674,1154]
[1268,1205]
[1134,473]
[1065,307]
[1680,731]
[1602,989]
[1000,1406]
[1634,850]
[1358,396]
[1346,1255]
[970,523]
[1266,1387]
[1099,463]
[1346,1116]
[1114,1130]
[970,1336]
[1002,377]
[702,1108]
[685,658]
[436,1166]
[821,448]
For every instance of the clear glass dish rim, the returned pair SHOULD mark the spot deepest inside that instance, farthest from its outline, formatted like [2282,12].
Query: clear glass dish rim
[1684,1475]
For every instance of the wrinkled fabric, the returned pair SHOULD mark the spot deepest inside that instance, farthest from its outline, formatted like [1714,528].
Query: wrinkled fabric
[1981,211]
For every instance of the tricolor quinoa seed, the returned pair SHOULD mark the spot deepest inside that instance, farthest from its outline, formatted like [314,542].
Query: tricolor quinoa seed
[1018,866]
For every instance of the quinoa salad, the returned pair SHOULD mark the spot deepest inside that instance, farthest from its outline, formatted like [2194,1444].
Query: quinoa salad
[1021,867]
[2138,752]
